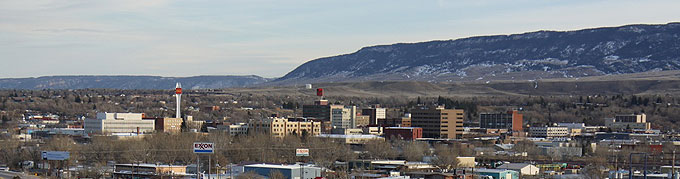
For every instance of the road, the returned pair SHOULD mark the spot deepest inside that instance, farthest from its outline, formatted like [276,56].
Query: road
[4,174]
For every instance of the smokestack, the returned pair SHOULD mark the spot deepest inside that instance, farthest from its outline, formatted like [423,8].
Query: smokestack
[178,95]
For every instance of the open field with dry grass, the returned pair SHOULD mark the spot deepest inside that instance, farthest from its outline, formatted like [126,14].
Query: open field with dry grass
[665,82]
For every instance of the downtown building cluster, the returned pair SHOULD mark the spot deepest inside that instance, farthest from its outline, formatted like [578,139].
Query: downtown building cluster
[494,137]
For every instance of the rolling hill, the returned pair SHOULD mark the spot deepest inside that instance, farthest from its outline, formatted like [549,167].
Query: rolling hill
[527,56]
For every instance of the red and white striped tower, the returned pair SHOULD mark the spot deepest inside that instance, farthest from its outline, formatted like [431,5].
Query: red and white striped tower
[178,95]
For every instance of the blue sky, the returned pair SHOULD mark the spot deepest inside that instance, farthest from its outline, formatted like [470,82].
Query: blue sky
[266,37]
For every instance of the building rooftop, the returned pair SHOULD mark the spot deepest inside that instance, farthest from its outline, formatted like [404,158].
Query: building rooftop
[343,136]
[513,166]
[150,165]
[280,166]
[401,127]
[486,170]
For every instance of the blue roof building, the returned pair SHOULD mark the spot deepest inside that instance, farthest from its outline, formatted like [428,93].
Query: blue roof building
[497,173]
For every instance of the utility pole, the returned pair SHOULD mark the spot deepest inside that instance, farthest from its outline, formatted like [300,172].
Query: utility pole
[673,166]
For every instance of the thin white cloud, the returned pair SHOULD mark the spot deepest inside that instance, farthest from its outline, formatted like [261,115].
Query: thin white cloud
[266,37]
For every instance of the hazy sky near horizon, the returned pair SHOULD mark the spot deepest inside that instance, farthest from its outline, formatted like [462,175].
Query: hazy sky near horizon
[267,37]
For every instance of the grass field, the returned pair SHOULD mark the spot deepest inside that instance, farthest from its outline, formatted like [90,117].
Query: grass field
[665,82]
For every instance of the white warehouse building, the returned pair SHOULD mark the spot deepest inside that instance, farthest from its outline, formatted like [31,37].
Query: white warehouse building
[119,123]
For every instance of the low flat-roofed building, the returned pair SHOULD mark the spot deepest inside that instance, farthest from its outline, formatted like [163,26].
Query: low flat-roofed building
[169,125]
[281,127]
[373,130]
[497,173]
[406,133]
[404,121]
[149,171]
[522,168]
[288,171]
[238,129]
[119,122]
[628,122]
[232,129]
[549,132]
[352,139]
[388,165]
[353,131]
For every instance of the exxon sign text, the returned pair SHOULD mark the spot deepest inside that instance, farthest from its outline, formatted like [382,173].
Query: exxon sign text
[203,147]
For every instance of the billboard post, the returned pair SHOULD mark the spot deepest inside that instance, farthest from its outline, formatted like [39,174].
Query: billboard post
[203,148]
[302,153]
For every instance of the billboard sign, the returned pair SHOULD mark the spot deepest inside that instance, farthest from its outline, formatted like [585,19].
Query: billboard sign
[302,152]
[203,147]
[55,155]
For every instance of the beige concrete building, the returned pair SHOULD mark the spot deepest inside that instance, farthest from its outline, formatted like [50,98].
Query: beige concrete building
[628,122]
[238,129]
[438,122]
[119,123]
[192,124]
[169,125]
[232,129]
[362,120]
[373,130]
[281,127]
[465,162]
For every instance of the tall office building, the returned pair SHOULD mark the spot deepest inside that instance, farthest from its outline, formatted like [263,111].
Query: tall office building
[438,122]
[323,111]
[375,114]
[343,116]
[511,120]
[319,110]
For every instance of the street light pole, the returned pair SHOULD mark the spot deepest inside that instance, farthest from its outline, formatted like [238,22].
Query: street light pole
[673,166]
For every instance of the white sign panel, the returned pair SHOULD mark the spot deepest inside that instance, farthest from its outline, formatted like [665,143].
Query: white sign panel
[301,152]
[55,155]
[203,147]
